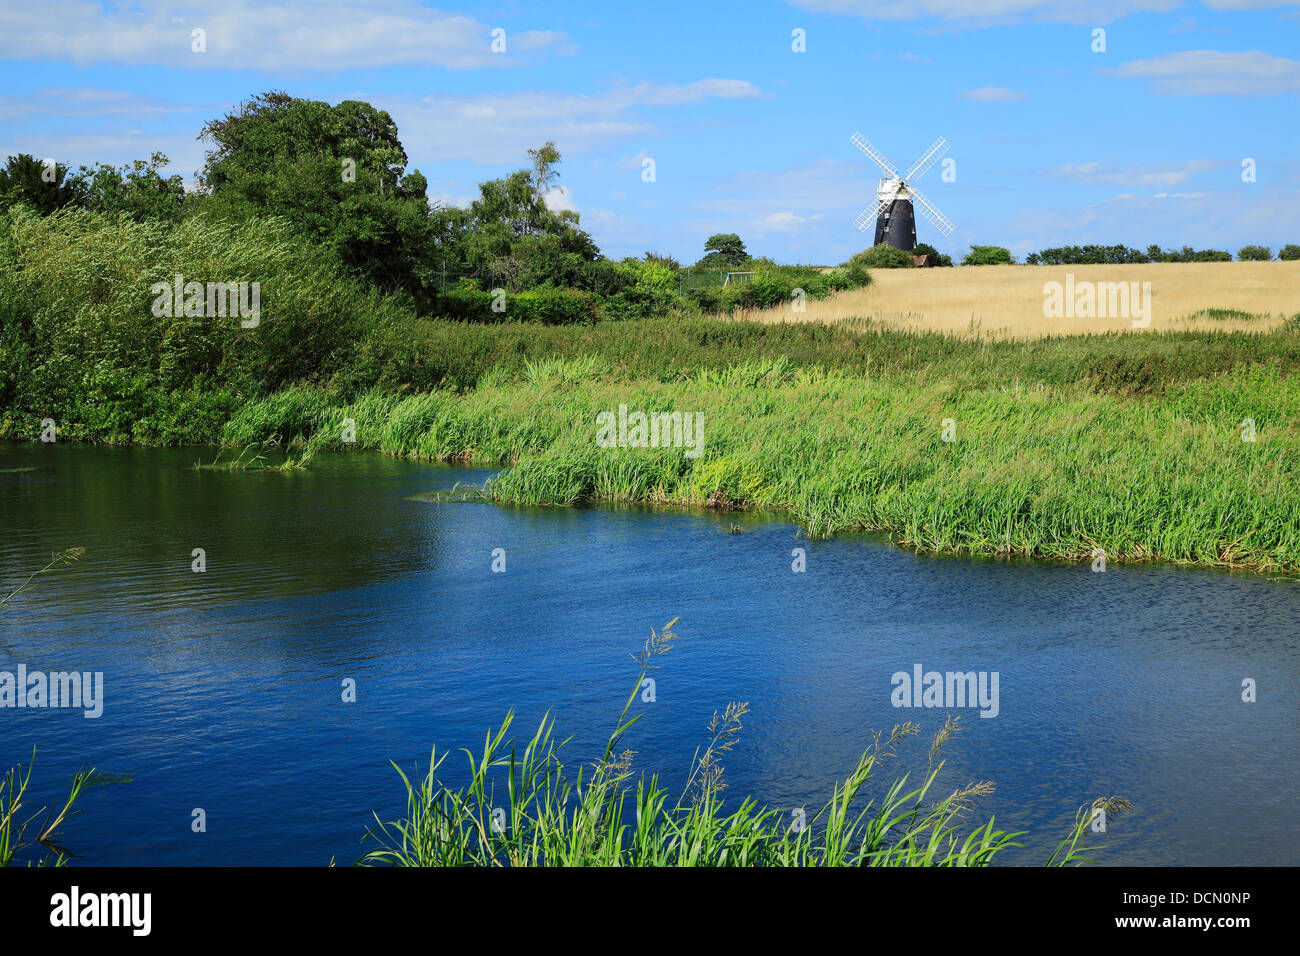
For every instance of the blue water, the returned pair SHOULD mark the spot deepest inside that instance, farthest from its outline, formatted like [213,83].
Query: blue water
[223,689]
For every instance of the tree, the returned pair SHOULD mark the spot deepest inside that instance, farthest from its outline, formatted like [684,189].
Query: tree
[337,172]
[544,174]
[25,179]
[139,190]
[1290,252]
[510,236]
[728,247]
[1254,254]
[934,256]
[988,256]
[883,256]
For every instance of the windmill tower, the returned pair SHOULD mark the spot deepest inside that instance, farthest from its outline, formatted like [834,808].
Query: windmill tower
[896,196]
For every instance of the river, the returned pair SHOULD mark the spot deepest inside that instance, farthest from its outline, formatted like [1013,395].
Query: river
[223,689]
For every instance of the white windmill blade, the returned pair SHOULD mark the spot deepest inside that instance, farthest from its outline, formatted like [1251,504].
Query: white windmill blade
[871,151]
[929,159]
[934,215]
[870,215]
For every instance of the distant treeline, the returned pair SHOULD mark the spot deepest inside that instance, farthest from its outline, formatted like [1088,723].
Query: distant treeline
[1118,255]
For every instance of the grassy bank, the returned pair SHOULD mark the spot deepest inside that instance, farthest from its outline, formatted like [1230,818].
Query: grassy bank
[1050,471]
[1127,443]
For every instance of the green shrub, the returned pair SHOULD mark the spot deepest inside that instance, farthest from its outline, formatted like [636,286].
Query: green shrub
[883,256]
[545,305]
[1289,253]
[1254,254]
[767,289]
[988,256]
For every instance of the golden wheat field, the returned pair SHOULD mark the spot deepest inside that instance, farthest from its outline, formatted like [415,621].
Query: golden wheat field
[1008,301]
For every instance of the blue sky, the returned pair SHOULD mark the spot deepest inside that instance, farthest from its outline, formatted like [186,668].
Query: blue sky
[1052,141]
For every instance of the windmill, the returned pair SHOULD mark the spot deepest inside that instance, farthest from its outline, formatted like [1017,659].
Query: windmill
[895,196]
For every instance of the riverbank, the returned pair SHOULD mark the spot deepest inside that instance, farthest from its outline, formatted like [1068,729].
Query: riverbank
[1205,474]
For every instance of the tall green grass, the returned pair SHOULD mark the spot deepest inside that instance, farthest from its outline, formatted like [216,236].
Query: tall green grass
[22,835]
[1040,472]
[18,836]
[79,341]
[524,807]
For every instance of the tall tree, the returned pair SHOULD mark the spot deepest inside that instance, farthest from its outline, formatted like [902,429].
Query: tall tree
[544,175]
[337,172]
[509,235]
[727,246]
[45,187]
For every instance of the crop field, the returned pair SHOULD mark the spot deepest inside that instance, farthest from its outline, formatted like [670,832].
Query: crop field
[1008,301]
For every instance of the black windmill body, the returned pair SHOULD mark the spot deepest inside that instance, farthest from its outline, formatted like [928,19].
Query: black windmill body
[897,199]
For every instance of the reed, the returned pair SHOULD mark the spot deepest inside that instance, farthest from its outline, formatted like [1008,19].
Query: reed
[1033,469]
[18,837]
[603,815]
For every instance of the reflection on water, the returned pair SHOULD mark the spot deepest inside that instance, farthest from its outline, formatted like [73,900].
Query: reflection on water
[222,689]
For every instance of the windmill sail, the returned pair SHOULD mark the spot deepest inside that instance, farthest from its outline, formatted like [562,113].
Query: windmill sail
[894,212]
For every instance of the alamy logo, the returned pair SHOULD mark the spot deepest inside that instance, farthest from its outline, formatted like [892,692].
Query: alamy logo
[56,689]
[949,691]
[1098,300]
[242,300]
[653,430]
[75,908]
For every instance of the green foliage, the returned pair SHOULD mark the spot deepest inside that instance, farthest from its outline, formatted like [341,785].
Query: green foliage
[933,256]
[726,248]
[1106,255]
[337,173]
[1088,255]
[511,238]
[15,841]
[988,256]
[1254,254]
[603,816]
[1188,254]
[882,256]
[26,180]
[80,341]
[545,305]
[1059,424]
[1289,253]
[667,261]
[771,285]
[138,190]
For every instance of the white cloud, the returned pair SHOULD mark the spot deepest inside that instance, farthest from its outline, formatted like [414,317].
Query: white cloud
[560,199]
[244,34]
[993,94]
[979,13]
[784,222]
[1249,4]
[1139,175]
[633,163]
[1215,73]
[88,103]
[497,128]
